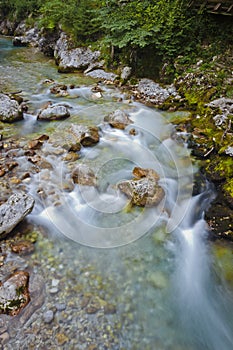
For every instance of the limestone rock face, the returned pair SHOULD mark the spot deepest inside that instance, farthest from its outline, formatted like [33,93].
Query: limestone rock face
[9,109]
[143,190]
[14,211]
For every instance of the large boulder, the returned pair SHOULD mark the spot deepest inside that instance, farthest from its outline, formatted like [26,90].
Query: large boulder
[14,211]
[71,59]
[86,135]
[53,112]
[102,75]
[9,109]
[143,190]
[77,59]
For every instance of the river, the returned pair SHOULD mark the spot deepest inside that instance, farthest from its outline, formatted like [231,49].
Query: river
[114,276]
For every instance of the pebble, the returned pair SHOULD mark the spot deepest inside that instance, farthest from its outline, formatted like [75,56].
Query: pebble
[4,338]
[53,290]
[55,282]
[48,316]
[60,306]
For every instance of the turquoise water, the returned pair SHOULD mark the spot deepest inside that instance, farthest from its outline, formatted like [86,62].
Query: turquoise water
[154,265]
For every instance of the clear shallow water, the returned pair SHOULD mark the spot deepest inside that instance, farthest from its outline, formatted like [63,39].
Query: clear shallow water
[158,270]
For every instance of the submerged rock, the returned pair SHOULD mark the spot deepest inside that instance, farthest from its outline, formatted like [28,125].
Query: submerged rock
[144,189]
[83,175]
[53,112]
[14,294]
[118,119]
[9,109]
[14,211]
[86,135]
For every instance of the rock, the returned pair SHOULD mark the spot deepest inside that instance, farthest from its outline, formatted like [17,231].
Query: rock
[118,119]
[62,338]
[59,90]
[53,112]
[86,135]
[153,92]
[22,247]
[143,190]
[4,338]
[223,103]
[83,175]
[157,279]
[93,66]
[14,211]
[14,294]
[60,306]
[73,59]
[229,151]
[126,72]
[31,37]
[48,316]
[9,109]
[101,75]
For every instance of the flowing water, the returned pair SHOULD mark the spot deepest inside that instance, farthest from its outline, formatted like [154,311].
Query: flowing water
[154,265]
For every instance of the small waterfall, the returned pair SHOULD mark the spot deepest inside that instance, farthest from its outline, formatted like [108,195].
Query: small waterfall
[203,305]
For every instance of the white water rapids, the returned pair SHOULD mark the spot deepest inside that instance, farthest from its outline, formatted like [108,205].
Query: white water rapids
[191,307]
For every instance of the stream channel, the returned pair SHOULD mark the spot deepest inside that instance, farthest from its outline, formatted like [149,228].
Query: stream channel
[114,276]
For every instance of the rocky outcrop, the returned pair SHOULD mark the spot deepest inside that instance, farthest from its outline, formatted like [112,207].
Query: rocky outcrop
[225,108]
[53,112]
[73,59]
[30,38]
[143,190]
[9,109]
[14,294]
[86,135]
[102,75]
[83,175]
[154,93]
[14,211]
[118,119]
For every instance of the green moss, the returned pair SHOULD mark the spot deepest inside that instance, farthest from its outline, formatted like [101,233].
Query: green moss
[228,187]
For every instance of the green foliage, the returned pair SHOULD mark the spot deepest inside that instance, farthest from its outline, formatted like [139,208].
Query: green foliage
[19,9]
[75,16]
